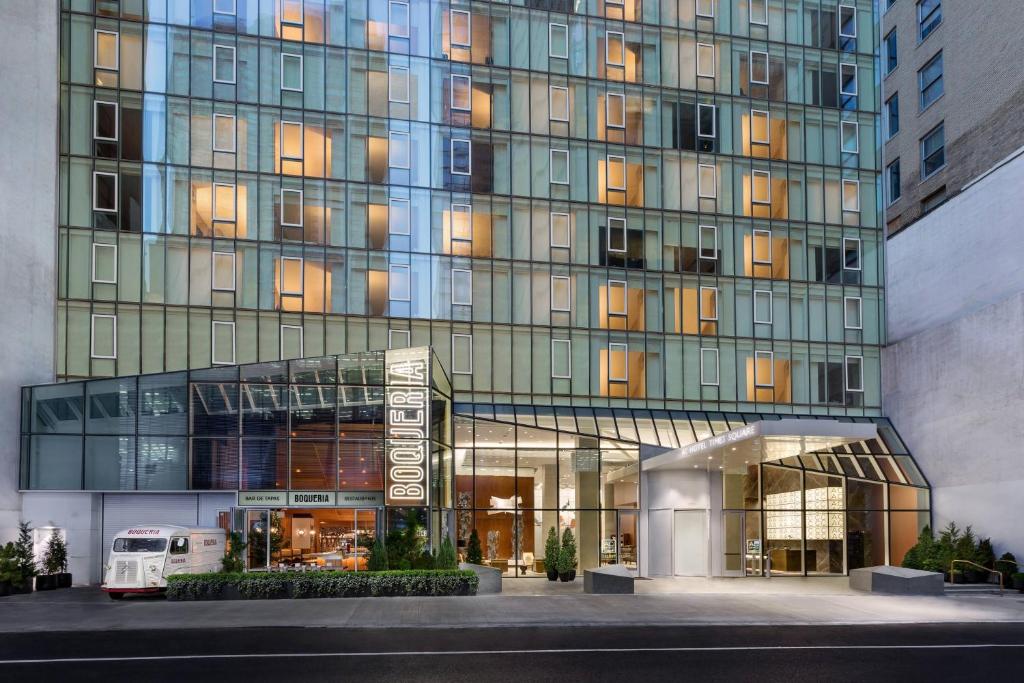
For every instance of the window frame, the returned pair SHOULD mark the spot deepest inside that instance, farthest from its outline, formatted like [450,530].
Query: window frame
[551,166]
[842,80]
[213,342]
[613,283]
[767,126]
[894,99]
[620,96]
[234,64]
[213,271]
[234,133]
[391,338]
[623,348]
[391,18]
[860,313]
[302,140]
[551,103]
[233,12]
[758,21]
[302,75]
[753,246]
[704,380]
[213,203]
[771,306]
[92,335]
[568,229]
[103,245]
[860,255]
[844,183]
[567,308]
[469,91]
[467,273]
[302,339]
[700,303]
[750,68]
[846,373]
[940,127]
[714,185]
[839,20]
[393,81]
[619,220]
[117,191]
[940,79]
[714,121]
[568,354]
[703,73]
[891,60]
[302,207]
[701,245]
[607,52]
[608,171]
[698,13]
[469,155]
[285,22]
[394,136]
[408,216]
[767,174]
[856,137]
[469,356]
[96,119]
[551,43]
[96,53]
[468,43]
[921,19]
[302,277]
[393,272]
[463,208]
[889,196]
[771,365]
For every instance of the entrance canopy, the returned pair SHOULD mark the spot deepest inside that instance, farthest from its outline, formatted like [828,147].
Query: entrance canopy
[763,441]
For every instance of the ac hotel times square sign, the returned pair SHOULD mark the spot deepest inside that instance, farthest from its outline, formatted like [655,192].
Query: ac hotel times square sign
[407,426]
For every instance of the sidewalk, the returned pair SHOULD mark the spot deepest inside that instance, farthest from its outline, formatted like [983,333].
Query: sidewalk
[776,603]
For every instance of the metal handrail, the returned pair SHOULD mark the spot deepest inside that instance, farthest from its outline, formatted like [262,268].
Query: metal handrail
[1015,563]
[952,576]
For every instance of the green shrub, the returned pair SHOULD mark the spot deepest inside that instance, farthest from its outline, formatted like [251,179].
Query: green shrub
[55,558]
[233,560]
[551,549]
[1007,566]
[9,572]
[446,558]
[474,553]
[567,553]
[23,555]
[378,560]
[319,584]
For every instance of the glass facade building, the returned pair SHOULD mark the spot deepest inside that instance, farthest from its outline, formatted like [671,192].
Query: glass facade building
[598,205]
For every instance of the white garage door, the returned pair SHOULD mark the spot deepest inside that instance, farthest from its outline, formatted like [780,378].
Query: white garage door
[124,510]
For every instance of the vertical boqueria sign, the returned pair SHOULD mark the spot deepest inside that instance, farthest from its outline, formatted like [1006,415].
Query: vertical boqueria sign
[407,426]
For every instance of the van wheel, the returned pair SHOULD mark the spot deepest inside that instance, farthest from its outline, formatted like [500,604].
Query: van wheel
[116,596]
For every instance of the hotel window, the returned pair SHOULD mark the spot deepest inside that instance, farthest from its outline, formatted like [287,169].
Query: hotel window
[760,127]
[707,241]
[222,342]
[705,8]
[850,137]
[462,93]
[709,367]
[851,195]
[291,140]
[224,7]
[399,288]
[618,362]
[461,222]
[706,116]
[224,202]
[615,110]
[762,247]
[707,181]
[847,21]
[851,253]
[223,133]
[398,216]
[291,208]
[558,103]
[459,23]
[705,60]
[929,16]
[617,297]
[762,306]
[617,234]
[104,121]
[398,19]
[462,287]
[929,80]
[761,187]
[758,67]
[560,293]
[462,163]
[103,339]
[616,172]
[104,191]
[462,354]
[892,52]
[291,342]
[559,172]
[852,313]
[222,274]
[559,223]
[398,339]
[892,181]
[615,49]
[223,64]
[561,359]
[107,50]
[933,151]
[291,72]
[759,12]
[892,116]
[398,84]
[847,79]
[398,149]
[854,373]
[709,303]
[764,368]
[291,276]
[292,12]
[558,41]
[104,263]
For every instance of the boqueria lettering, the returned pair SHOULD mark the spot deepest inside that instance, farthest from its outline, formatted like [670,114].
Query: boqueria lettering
[407,426]
[311,498]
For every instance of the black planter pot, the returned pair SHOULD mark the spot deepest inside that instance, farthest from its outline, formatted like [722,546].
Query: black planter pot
[63,580]
[552,575]
[567,576]
[1018,583]
[5,588]
[46,582]
[24,588]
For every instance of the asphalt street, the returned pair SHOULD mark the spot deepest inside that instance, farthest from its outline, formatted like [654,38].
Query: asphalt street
[946,652]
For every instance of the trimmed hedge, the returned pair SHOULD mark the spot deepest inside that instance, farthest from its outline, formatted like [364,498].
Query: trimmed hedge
[319,584]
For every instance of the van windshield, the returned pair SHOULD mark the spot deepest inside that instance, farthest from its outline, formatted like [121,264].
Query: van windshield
[140,545]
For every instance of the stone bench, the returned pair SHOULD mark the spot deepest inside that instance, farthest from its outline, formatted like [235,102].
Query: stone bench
[614,578]
[896,581]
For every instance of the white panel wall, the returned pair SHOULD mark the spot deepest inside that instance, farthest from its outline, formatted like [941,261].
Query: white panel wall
[79,515]
[663,491]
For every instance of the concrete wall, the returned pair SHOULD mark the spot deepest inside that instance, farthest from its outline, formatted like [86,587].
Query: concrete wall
[663,491]
[953,373]
[28,219]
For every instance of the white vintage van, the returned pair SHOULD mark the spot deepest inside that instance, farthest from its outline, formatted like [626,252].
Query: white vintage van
[142,557]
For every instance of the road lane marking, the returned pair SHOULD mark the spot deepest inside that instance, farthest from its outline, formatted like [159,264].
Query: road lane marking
[463,653]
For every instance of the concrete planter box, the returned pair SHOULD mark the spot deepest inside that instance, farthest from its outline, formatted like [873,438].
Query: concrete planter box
[614,579]
[490,578]
[896,581]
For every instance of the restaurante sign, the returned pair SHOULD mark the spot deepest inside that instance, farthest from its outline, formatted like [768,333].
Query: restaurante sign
[407,426]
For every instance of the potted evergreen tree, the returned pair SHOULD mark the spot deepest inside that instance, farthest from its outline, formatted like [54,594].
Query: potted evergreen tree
[9,573]
[551,552]
[55,564]
[24,560]
[567,557]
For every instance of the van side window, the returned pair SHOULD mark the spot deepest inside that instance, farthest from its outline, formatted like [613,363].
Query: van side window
[179,546]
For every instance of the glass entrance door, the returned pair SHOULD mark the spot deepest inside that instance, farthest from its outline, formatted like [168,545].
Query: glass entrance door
[257,539]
